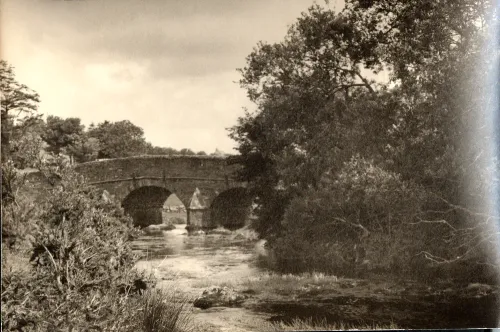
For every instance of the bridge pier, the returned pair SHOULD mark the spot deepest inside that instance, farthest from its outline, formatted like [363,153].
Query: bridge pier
[199,218]
[198,211]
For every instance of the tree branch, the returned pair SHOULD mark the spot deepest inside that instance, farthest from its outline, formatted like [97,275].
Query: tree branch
[356,225]
[442,221]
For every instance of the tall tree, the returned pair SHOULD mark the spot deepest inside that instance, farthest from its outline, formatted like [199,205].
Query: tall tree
[434,51]
[84,148]
[303,125]
[61,133]
[156,150]
[187,152]
[315,107]
[118,139]
[18,104]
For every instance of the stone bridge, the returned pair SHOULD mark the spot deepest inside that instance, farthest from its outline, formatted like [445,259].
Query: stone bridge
[204,184]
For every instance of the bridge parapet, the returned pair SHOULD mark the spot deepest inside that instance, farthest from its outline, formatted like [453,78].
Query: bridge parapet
[198,167]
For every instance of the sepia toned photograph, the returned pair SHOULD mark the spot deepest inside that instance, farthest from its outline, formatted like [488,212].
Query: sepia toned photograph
[263,165]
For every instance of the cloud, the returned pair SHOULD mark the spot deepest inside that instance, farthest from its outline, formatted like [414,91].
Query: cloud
[168,66]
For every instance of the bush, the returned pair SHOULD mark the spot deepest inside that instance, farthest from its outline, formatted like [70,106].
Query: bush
[80,274]
[356,218]
[366,219]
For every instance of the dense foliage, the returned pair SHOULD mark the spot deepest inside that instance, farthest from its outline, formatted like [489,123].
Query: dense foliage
[118,139]
[18,103]
[79,274]
[409,160]
[61,133]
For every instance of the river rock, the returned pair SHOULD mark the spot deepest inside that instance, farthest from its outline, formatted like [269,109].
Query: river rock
[157,229]
[220,231]
[219,297]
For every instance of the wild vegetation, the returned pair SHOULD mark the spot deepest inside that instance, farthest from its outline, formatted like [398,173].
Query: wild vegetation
[354,175]
[310,325]
[67,265]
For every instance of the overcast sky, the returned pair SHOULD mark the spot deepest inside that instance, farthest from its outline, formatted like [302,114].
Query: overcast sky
[168,66]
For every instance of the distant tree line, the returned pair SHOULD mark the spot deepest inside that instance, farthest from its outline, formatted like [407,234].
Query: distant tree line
[25,134]
[104,140]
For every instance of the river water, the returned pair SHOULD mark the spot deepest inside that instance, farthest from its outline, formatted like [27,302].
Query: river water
[191,263]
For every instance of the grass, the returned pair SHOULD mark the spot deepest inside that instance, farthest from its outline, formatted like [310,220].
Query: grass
[204,283]
[310,325]
[165,312]
[273,282]
[288,283]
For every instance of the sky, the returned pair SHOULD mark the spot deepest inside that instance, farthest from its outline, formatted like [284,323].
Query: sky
[168,66]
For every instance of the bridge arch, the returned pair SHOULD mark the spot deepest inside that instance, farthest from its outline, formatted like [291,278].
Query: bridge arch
[231,208]
[145,204]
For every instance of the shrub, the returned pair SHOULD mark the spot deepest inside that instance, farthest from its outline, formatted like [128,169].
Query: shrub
[80,274]
[356,216]
[365,218]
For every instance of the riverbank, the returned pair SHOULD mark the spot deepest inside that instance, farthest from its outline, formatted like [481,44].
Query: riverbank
[313,301]
[380,302]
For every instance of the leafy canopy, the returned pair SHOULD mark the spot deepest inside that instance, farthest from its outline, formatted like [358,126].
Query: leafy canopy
[18,104]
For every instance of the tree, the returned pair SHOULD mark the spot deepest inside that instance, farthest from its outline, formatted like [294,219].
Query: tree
[302,88]
[18,104]
[156,150]
[433,51]
[118,139]
[26,143]
[315,109]
[187,152]
[84,148]
[61,133]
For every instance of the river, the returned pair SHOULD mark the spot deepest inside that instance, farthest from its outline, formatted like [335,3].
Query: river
[191,263]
